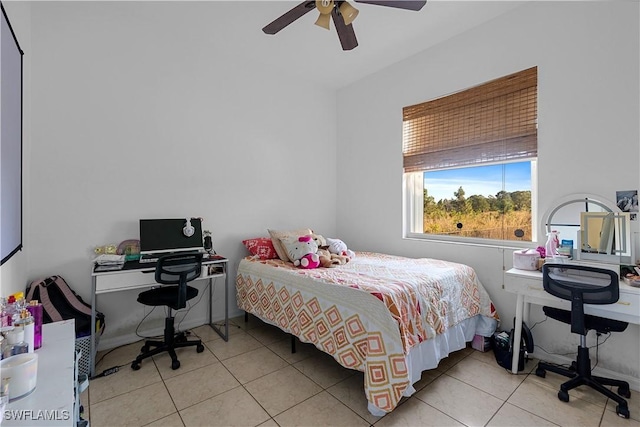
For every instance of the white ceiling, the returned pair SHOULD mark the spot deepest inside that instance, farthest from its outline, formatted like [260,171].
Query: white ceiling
[385,36]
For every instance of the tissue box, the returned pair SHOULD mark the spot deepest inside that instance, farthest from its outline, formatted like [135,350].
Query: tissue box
[526,260]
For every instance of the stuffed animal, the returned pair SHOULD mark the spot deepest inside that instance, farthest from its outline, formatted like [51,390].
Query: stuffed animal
[324,257]
[320,241]
[329,260]
[337,246]
[339,259]
[308,261]
[302,251]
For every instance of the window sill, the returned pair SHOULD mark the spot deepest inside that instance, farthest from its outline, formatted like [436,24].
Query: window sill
[464,241]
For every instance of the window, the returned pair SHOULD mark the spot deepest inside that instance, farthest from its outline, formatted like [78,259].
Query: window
[470,162]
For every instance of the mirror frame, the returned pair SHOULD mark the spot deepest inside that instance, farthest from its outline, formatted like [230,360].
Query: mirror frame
[576,198]
[618,230]
[584,198]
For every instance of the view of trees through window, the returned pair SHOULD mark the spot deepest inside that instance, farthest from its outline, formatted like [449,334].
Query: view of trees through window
[492,202]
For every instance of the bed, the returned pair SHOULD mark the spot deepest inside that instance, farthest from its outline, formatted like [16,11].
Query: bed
[388,316]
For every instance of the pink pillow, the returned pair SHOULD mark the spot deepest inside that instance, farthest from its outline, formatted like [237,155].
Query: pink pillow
[262,247]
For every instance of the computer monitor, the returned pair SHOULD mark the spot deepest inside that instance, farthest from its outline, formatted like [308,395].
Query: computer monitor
[159,236]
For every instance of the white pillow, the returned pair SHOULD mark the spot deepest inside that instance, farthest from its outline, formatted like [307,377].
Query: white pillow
[278,235]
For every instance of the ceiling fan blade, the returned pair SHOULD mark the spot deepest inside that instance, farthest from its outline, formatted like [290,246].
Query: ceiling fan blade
[400,4]
[286,19]
[345,32]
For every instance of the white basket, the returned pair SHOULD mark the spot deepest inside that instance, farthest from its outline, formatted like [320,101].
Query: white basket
[84,345]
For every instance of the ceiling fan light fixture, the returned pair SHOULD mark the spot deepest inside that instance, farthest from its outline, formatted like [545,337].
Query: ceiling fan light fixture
[324,7]
[324,21]
[348,12]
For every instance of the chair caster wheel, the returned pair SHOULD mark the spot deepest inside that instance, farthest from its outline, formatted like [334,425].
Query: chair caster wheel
[622,412]
[541,373]
[563,395]
[199,348]
[175,364]
[624,392]
[135,366]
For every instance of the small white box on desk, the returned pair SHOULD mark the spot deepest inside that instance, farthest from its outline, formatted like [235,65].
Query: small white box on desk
[526,259]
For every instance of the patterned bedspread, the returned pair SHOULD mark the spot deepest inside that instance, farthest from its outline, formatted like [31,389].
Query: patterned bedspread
[367,314]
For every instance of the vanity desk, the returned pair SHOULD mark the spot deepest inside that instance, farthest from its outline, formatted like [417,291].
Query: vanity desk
[528,287]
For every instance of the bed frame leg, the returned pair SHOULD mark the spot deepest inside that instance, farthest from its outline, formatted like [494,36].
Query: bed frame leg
[293,343]
[246,317]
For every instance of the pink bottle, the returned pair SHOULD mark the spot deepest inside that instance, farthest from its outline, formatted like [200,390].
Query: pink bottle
[551,247]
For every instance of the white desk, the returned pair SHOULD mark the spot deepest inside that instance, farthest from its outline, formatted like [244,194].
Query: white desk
[137,275]
[528,286]
[52,401]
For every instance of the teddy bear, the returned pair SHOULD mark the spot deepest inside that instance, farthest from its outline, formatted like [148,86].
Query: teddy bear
[328,259]
[320,241]
[337,246]
[302,251]
[324,257]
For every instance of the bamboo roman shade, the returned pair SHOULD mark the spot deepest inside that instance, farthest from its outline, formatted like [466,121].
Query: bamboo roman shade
[492,122]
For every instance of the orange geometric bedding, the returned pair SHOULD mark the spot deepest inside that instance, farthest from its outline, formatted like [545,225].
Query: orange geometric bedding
[367,314]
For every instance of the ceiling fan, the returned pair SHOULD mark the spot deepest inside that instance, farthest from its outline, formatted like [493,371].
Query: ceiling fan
[342,13]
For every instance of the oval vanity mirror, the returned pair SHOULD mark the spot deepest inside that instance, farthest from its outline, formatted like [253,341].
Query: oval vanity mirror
[599,231]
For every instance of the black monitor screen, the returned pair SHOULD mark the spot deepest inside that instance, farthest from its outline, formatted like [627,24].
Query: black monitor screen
[167,235]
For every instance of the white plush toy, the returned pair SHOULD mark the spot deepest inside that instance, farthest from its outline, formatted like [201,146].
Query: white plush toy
[337,246]
[302,251]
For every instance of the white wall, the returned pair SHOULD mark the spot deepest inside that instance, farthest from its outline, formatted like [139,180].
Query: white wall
[117,101]
[131,121]
[588,74]
[14,273]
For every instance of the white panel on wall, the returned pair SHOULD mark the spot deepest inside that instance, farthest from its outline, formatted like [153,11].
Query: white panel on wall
[10,141]
[14,273]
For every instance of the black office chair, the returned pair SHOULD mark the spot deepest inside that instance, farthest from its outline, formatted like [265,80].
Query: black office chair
[175,269]
[584,285]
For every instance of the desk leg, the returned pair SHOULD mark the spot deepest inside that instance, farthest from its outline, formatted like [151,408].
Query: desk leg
[211,282]
[92,356]
[225,335]
[226,301]
[517,334]
[525,312]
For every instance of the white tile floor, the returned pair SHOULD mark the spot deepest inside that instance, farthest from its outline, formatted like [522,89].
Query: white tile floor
[254,379]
